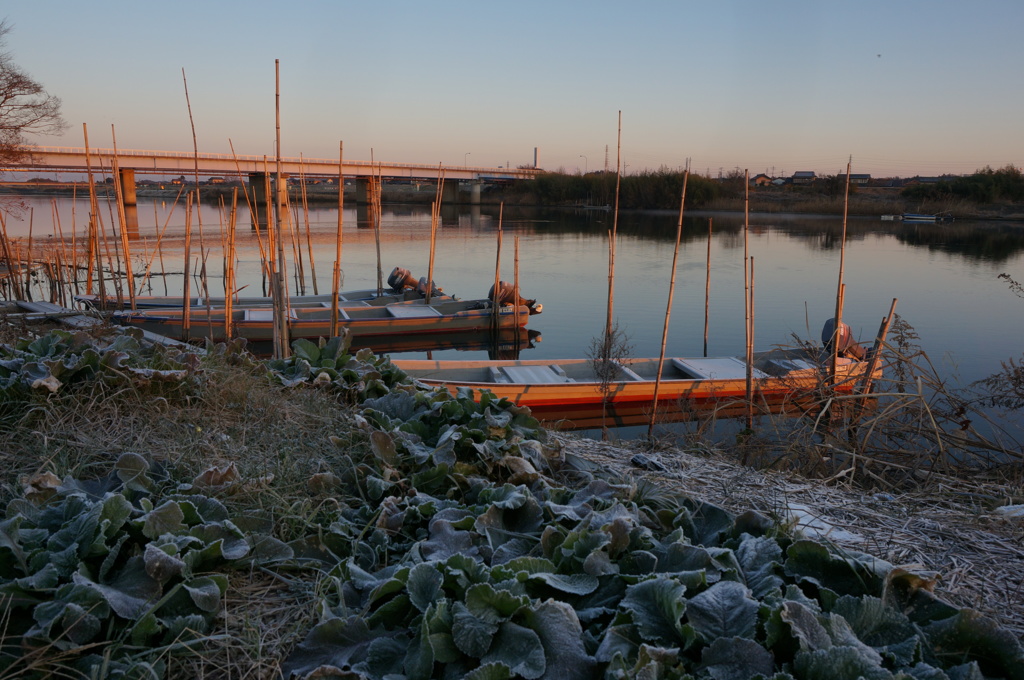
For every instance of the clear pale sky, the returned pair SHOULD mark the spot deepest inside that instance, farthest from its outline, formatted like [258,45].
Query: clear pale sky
[904,87]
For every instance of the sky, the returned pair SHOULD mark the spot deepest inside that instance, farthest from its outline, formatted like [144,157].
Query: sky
[900,87]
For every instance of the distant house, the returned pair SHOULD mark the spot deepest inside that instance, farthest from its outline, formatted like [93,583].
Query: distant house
[217,180]
[761,180]
[804,177]
[855,179]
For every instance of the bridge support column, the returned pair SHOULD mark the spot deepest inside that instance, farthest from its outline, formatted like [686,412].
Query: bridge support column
[362,190]
[475,190]
[450,192]
[127,177]
[258,186]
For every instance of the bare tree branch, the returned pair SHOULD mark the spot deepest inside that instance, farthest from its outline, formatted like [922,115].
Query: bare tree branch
[25,108]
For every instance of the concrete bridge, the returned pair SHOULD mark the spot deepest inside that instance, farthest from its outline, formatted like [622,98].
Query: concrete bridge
[258,169]
[72,159]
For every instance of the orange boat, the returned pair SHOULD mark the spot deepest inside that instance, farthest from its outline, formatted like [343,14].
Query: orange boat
[569,394]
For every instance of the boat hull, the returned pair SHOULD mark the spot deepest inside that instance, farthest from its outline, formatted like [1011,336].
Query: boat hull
[689,388]
[256,324]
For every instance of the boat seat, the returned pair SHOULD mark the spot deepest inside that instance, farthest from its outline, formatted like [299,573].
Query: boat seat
[718,368]
[264,315]
[784,366]
[627,372]
[412,311]
[535,374]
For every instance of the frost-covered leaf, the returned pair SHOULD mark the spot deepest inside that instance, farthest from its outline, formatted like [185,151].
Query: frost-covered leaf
[561,635]
[724,610]
[337,643]
[972,636]
[161,565]
[838,662]
[491,671]
[873,621]
[424,585]
[814,562]
[804,626]
[492,605]
[759,557]
[383,446]
[657,606]
[736,658]
[168,518]
[573,584]
[445,541]
[472,635]
[519,648]
[133,471]
[130,592]
[206,592]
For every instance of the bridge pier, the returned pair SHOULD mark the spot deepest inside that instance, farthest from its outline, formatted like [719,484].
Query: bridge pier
[127,177]
[260,183]
[362,190]
[475,190]
[450,192]
[258,186]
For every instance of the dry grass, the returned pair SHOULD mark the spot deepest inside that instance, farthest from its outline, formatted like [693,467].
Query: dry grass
[278,439]
[946,525]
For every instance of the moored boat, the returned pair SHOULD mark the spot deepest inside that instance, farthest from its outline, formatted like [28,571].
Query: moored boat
[921,217]
[257,323]
[402,287]
[569,394]
[350,298]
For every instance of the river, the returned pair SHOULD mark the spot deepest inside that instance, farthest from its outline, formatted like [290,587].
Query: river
[945,276]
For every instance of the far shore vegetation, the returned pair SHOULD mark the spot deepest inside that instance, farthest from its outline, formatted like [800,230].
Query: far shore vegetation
[987,194]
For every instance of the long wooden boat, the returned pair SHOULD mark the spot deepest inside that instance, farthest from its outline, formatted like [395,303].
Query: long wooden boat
[368,296]
[568,394]
[415,317]
[920,217]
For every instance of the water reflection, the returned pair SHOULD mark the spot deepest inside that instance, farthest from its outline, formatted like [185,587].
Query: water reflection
[507,344]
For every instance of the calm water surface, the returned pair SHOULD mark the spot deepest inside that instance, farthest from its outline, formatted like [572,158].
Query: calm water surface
[945,276]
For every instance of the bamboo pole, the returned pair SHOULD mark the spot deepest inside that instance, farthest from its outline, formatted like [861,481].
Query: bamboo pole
[229,274]
[839,288]
[94,209]
[309,235]
[186,293]
[125,245]
[611,247]
[293,232]
[515,288]
[876,349]
[282,350]
[14,270]
[435,210]
[750,353]
[707,291]
[668,309]
[253,211]
[746,289]
[495,305]
[157,249]
[28,255]
[336,279]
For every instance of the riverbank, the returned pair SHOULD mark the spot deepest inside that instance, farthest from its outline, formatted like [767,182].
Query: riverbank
[248,454]
[865,202]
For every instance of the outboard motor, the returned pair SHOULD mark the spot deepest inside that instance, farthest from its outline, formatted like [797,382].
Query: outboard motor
[421,288]
[509,295]
[843,339]
[400,279]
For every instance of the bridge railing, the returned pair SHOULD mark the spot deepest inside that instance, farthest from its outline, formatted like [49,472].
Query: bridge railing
[249,158]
